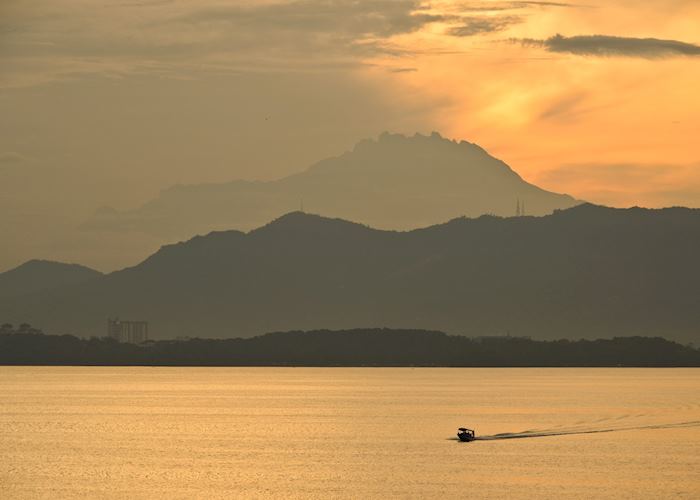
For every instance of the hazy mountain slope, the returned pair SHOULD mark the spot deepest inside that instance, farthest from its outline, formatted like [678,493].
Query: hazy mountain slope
[396,182]
[583,272]
[37,275]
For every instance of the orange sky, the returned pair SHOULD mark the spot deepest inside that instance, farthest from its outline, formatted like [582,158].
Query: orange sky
[616,129]
[106,104]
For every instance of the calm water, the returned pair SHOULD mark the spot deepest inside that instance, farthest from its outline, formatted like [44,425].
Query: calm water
[363,432]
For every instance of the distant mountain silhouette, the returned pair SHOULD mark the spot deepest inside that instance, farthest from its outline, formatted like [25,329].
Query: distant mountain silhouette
[38,275]
[587,271]
[395,182]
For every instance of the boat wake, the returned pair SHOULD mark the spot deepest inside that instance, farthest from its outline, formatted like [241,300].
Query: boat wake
[574,431]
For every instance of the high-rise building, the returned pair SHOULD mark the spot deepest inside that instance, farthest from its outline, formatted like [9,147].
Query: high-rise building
[132,332]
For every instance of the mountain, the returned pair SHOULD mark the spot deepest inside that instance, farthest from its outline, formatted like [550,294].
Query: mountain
[395,182]
[37,275]
[587,271]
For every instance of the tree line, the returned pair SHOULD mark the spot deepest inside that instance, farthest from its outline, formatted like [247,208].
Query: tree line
[361,347]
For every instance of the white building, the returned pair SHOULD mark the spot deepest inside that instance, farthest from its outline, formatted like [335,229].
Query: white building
[132,332]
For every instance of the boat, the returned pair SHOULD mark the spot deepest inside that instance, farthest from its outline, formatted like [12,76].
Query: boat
[465,434]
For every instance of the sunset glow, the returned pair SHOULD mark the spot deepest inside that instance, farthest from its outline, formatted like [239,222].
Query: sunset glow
[594,99]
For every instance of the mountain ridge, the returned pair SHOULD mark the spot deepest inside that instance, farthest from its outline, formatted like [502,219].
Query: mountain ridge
[587,271]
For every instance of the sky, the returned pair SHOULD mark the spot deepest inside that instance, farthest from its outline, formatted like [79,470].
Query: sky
[105,103]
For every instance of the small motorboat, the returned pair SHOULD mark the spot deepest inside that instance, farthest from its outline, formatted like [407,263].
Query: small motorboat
[465,434]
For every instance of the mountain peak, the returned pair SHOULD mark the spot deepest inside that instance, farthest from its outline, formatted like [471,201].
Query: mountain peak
[387,138]
[306,223]
[393,181]
[36,275]
[42,264]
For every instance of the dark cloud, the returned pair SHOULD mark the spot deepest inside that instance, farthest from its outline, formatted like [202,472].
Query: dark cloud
[549,4]
[483,25]
[501,6]
[377,18]
[296,35]
[612,46]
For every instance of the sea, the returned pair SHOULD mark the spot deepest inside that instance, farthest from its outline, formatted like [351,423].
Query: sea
[125,432]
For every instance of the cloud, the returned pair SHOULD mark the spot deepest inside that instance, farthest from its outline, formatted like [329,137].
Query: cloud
[182,38]
[491,16]
[304,31]
[482,25]
[403,70]
[612,46]
[367,18]
[550,4]
[502,6]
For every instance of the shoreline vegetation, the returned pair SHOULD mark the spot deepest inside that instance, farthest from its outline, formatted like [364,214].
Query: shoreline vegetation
[348,348]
